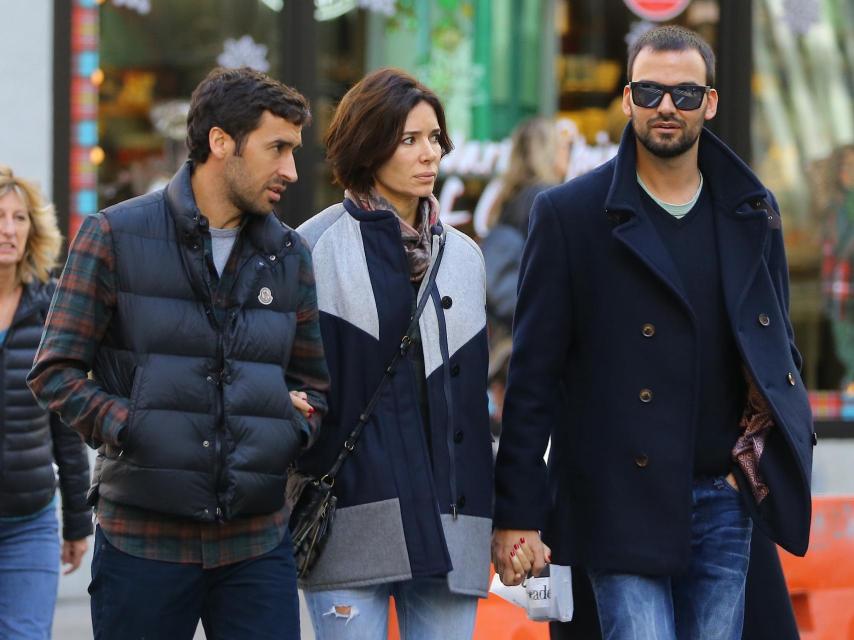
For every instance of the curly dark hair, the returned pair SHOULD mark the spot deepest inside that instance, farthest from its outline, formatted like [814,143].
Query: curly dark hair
[673,38]
[235,100]
[367,125]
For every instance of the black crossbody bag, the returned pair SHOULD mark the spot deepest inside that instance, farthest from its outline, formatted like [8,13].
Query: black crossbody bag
[312,499]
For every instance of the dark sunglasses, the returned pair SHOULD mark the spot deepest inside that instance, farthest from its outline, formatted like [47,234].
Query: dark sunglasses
[686,97]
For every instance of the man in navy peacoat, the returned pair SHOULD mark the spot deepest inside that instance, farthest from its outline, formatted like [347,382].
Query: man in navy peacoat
[652,344]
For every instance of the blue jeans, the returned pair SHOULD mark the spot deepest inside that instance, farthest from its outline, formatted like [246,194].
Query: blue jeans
[29,576]
[426,610]
[704,603]
[139,598]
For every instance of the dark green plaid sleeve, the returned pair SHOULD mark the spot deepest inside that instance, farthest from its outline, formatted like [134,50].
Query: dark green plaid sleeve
[79,315]
[307,370]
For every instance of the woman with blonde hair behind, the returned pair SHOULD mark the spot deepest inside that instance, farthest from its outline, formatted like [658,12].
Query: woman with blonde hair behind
[539,158]
[31,440]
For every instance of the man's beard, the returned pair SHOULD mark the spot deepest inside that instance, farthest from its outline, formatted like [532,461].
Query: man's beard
[667,148]
[238,188]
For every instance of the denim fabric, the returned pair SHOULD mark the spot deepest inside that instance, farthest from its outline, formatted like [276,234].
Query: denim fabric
[139,598]
[704,603]
[29,575]
[426,610]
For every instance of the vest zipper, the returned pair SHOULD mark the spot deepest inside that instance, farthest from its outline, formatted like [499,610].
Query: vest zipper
[218,425]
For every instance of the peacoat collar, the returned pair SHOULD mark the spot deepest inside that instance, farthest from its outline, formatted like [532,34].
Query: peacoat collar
[742,217]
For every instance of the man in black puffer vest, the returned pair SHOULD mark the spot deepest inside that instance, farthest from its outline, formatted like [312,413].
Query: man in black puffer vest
[194,308]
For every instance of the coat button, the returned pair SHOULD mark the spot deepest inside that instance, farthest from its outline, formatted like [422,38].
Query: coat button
[641,460]
[645,395]
[648,330]
[458,437]
[206,443]
[455,370]
[791,378]
[447,302]
[764,320]
[211,379]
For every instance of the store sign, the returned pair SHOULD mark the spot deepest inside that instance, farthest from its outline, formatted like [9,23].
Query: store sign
[331,9]
[657,10]
[142,7]
[484,159]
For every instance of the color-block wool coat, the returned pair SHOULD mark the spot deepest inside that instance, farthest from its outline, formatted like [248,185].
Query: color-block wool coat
[415,497]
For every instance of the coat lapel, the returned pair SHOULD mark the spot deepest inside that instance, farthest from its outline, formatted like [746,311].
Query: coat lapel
[634,229]
[741,229]
[741,239]
[642,239]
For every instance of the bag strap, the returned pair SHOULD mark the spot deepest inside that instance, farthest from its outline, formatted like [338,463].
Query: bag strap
[400,352]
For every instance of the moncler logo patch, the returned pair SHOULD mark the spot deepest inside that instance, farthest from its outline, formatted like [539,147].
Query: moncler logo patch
[265,296]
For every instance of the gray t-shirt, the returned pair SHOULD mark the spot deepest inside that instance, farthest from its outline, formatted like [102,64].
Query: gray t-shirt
[222,240]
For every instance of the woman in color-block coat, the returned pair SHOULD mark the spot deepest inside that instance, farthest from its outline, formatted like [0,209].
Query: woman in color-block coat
[415,495]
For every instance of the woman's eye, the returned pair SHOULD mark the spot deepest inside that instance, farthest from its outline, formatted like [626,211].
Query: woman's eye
[408,140]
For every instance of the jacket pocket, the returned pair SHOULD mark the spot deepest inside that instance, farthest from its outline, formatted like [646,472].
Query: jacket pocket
[128,435]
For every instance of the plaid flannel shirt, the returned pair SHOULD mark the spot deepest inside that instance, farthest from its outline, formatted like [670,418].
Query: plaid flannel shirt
[81,311]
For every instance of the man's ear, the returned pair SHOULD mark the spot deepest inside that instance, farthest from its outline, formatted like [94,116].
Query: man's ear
[712,107]
[221,144]
[627,101]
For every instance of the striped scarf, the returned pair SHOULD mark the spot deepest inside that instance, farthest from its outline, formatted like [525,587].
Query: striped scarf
[416,240]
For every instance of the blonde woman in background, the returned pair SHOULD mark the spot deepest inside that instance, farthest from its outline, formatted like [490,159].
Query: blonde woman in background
[31,440]
[539,159]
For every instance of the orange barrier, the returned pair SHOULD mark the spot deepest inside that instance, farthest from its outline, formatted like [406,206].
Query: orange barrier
[821,584]
[497,619]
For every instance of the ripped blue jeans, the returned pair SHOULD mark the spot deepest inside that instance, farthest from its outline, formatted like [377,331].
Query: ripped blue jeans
[426,610]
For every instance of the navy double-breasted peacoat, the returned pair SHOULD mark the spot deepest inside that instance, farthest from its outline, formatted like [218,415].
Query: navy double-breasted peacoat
[605,362]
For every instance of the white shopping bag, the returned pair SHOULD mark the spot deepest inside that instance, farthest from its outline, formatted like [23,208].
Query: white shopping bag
[548,597]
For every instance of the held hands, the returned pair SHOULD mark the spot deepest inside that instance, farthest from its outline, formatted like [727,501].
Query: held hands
[516,553]
[300,402]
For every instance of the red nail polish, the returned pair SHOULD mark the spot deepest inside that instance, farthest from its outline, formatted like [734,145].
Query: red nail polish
[515,546]
[522,540]
[512,553]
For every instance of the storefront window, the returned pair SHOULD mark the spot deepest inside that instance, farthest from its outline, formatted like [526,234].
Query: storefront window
[803,144]
[590,65]
[151,61]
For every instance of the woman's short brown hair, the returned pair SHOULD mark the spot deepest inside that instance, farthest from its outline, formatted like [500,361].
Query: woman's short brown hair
[369,122]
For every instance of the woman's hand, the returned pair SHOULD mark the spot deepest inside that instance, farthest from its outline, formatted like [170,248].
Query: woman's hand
[300,402]
[517,553]
[72,554]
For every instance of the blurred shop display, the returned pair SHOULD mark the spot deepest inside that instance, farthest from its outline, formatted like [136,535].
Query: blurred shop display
[590,62]
[803,132]
[151,59]
[495,63]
